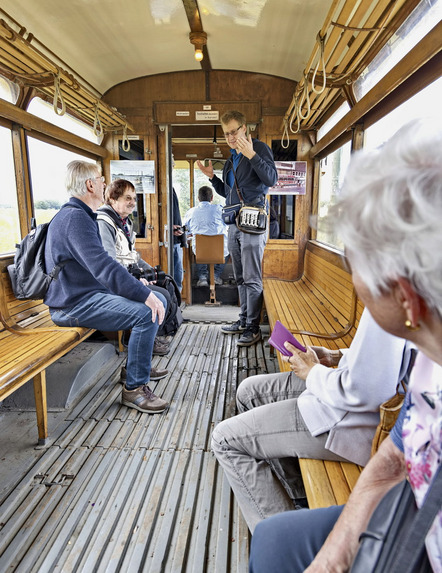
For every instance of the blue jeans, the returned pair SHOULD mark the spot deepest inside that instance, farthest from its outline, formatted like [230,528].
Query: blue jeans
[202,270]
[178,265]
[110,312]
[288,542]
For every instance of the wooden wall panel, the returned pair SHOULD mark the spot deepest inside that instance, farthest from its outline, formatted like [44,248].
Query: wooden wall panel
[273,92]
[281,260]
[136,98]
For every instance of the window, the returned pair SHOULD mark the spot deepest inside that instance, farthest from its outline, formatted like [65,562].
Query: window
[423,18]
[333,120]
[48,171]
[9,219]
[181,184]
[426,102]
[282,207]
[141,213]
[331,176]
[8,90]
[46,111]
[200,179]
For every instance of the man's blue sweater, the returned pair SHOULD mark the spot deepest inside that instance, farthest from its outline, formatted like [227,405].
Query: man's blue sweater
[73,236]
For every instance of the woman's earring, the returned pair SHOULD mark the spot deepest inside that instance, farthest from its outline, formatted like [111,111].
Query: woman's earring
[410,326]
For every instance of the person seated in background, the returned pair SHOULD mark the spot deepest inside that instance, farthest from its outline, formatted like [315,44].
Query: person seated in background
[206,219]
[95,291]
[118,238]
[314,411]
[388,217]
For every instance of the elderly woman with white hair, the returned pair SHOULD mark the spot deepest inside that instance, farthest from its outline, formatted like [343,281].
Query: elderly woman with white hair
[389,218]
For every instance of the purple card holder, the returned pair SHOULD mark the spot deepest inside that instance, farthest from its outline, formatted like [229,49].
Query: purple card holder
[279,335]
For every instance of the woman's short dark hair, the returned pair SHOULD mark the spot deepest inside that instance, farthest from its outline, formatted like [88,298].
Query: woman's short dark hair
[116,189]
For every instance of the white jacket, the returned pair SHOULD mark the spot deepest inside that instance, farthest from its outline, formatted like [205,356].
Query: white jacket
[344,401]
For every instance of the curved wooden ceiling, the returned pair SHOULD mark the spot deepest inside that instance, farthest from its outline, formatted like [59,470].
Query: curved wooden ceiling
[108,42]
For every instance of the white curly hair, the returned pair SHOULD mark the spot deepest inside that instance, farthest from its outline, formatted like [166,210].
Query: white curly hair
[389,214]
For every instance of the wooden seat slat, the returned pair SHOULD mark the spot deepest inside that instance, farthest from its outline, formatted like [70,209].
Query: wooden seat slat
[317,483]
[323,302]
[342,478]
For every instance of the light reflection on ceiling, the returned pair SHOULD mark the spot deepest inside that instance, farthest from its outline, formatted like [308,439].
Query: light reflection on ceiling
[242,13]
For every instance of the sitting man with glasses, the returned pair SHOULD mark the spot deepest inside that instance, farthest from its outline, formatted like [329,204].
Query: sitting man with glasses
[251,168]
[95,291]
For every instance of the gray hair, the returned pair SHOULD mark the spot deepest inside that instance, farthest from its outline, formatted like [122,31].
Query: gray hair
[78,172]
[389,215]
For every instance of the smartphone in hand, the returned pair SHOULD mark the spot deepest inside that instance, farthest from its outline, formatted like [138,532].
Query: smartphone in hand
[279,335]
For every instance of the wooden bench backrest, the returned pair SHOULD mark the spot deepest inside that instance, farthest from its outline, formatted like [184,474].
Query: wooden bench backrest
[335,283]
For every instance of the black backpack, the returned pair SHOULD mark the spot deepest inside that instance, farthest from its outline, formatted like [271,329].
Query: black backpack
[174,317]
[28,273]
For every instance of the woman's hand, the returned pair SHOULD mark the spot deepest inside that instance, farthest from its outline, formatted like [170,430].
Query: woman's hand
[300,362]
[326,356]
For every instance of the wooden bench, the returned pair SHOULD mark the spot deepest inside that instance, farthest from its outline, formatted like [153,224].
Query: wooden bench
[321,309]
[29,343]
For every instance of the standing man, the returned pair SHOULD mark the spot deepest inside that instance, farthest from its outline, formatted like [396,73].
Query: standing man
[95,291]
[251,167]
[206,219]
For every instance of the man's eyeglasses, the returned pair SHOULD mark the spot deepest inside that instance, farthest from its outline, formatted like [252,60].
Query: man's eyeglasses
[232,133]
[101,178]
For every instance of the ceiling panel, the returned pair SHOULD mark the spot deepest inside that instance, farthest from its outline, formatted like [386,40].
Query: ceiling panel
[107,42]
[267,36]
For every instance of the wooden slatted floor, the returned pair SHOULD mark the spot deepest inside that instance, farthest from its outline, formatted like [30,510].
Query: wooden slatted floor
[123,491]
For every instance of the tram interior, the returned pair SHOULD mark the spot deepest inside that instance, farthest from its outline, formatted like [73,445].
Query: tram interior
[114,489]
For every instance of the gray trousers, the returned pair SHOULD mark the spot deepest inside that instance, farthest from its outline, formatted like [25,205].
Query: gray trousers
[251,446]
[247,252]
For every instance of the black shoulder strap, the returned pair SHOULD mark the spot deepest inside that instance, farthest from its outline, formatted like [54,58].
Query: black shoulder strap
[59,266]
[236,185]
[410,551]
[253,201]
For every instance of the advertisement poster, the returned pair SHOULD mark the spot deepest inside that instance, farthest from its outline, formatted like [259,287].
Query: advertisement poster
[292,176]
[140,173]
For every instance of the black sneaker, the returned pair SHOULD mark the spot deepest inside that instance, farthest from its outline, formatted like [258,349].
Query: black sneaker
[235,328]
[249,337]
